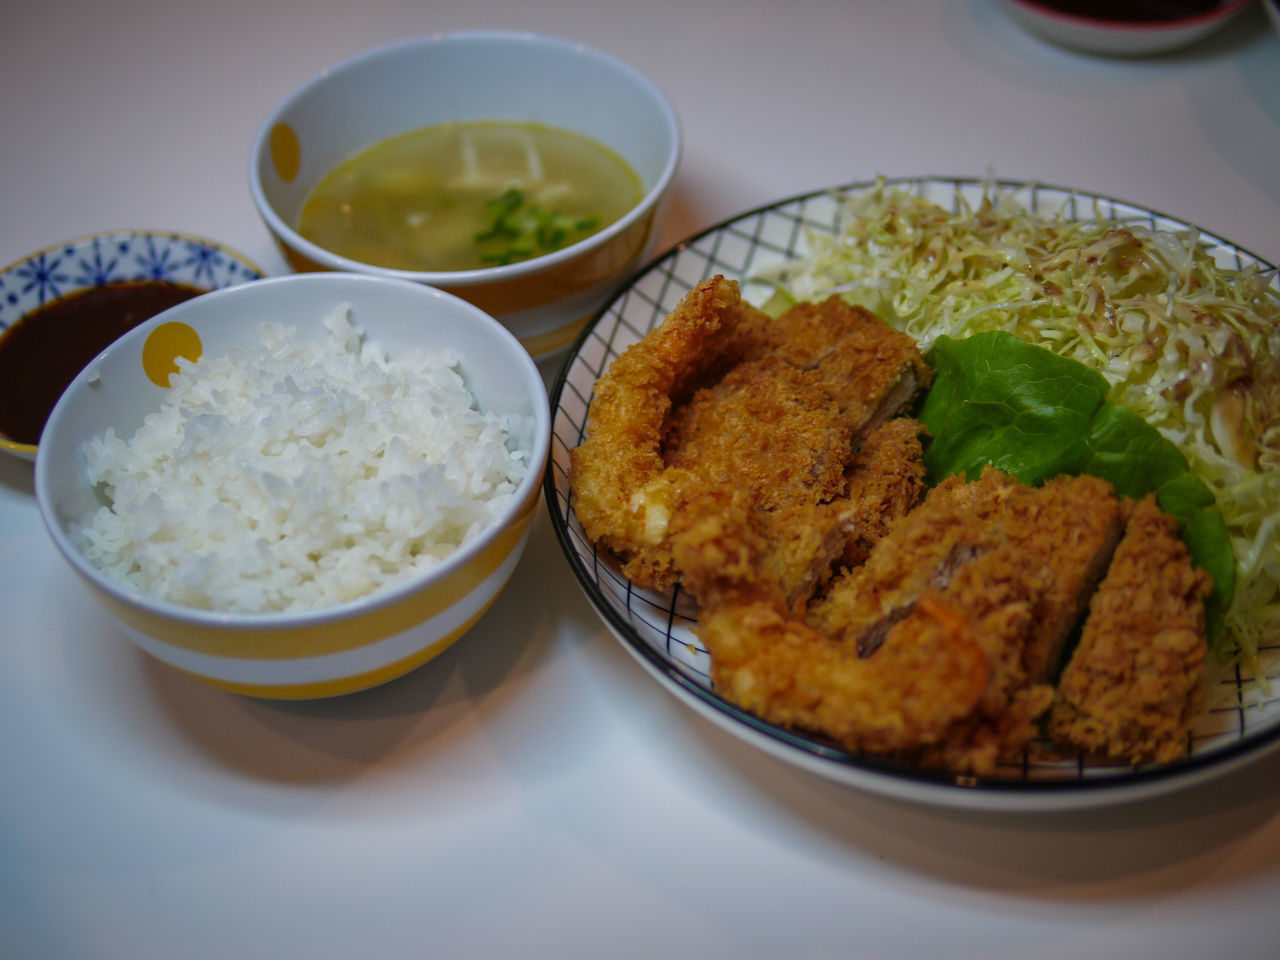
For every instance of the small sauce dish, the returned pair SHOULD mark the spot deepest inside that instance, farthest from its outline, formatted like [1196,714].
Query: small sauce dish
[62,306]
[1124,27]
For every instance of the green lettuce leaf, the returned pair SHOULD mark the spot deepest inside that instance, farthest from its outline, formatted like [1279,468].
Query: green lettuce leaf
[999,400]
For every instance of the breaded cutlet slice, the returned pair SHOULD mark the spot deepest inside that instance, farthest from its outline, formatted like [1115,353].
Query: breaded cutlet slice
[1062,535]
[870,369]
[886,481]
[921,551]
[768,429]
[798,546]
[1069,527]
[1135,681]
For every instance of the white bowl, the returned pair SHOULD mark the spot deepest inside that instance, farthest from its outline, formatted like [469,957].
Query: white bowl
[345,647]
[1114,35]
[478,76]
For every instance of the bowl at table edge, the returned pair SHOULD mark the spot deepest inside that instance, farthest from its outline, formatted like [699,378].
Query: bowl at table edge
[478,75]
[111,257]
[1115,37]
[346,647]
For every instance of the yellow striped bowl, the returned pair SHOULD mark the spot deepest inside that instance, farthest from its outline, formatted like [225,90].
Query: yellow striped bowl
[479,75]
[343,648]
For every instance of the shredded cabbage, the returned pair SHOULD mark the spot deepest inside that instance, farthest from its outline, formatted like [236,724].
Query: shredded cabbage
[1191,346]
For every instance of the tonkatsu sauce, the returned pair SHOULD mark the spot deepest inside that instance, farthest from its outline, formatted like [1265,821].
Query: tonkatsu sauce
[42,352]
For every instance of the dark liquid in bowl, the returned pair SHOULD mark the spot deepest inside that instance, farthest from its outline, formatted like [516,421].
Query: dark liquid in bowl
[42,352]
[1134,11]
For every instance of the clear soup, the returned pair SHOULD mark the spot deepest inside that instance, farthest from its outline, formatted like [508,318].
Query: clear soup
[468,195]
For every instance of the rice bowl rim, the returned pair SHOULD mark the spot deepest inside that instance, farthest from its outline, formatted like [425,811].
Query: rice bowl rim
[518,509]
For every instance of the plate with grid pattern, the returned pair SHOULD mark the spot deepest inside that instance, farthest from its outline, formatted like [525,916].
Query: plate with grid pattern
[1242,719]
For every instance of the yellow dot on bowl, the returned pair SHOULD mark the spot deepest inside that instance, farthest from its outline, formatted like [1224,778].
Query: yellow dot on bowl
[166,343]
[286,153]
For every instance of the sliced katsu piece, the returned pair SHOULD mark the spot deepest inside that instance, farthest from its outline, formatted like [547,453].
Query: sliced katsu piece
[1135,680]
[1069,527]
[1012,564]
[922,551]
[799,546]
[768,429]
[722,398]
[871,370]
[885,481]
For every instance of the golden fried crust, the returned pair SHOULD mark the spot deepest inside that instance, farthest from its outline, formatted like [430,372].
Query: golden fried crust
[769,429]
[1068,528]
[1135,681]
[621,495]
[871,370]
[1014,564]
[796,546]
[721,397]
[886,480]
[778,668]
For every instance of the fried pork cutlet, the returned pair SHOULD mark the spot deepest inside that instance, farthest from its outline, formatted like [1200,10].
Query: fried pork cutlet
[1135,680]
[1070,527]
[623,494]
[871,370]
[721,399]
[925,685]
[784,671]
[797,546]
[770,429]
[1014,564]
[885,481]
[1064,532]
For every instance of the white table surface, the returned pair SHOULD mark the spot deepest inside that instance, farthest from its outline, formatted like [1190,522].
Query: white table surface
[533,792]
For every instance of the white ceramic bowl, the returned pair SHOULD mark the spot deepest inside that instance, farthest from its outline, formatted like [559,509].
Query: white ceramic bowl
[342,648]
[116,256]
[479,76]
[1115,36]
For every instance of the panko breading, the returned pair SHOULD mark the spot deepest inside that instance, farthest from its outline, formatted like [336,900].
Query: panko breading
[769,427]
[784,671]
[720,399]
[798,546]
[1071,528]
[1135,681]
[1009,560]
[624,495]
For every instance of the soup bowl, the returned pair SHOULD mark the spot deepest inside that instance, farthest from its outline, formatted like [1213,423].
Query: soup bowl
[478,76]
[331,647]
[41,363]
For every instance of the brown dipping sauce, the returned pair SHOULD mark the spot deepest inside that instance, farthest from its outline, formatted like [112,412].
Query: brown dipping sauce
[41,353]
[1134,11]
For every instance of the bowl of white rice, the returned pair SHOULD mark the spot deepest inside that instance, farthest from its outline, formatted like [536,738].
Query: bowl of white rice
[300,487]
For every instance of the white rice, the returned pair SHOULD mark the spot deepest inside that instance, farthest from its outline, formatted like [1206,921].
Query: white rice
[299,474]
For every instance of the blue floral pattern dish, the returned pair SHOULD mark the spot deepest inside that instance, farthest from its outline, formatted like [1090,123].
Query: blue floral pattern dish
[114,257]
